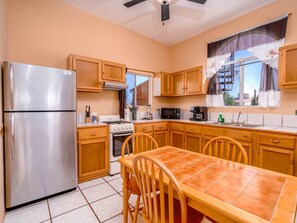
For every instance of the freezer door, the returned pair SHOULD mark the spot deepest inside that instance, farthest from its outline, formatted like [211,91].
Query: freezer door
[36,88]
[40,155]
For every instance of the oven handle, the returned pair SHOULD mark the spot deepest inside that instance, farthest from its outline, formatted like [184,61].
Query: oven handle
[127,134]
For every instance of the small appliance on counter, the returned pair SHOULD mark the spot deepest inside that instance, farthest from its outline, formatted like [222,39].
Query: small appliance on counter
[148,113]
[199,113]
[88,114]
[170,113]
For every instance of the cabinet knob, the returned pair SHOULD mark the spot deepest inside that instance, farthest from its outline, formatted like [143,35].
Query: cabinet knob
[291,162]
[275,141]
[93,134]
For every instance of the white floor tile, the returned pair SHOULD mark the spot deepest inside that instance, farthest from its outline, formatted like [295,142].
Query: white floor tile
[117,184]
[119,218]
[66,203]
[109,178]
[132,199]
[91,183]
[35,213]
[98,192]
[80,215]
[108,207]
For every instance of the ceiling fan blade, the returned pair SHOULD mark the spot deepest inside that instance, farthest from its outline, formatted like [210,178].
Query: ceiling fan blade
[132,3]
[165,12]
[198,1]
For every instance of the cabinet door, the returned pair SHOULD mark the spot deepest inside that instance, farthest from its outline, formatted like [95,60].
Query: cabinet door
[177,139]
[166,84]
[178,83]
[88,73]
[113,72]
[92,158]
[276,159]
[161,138]
[193,142]
[288,67]
[193,81]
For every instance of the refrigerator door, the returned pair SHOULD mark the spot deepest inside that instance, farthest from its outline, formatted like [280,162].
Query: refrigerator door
[36,88]
[40,155]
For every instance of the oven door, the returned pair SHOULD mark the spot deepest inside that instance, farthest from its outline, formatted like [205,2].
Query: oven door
[118,141]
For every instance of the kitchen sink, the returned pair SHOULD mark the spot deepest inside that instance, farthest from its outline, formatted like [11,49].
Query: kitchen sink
[240,124]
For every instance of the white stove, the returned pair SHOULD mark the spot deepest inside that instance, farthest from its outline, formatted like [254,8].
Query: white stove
[119,131]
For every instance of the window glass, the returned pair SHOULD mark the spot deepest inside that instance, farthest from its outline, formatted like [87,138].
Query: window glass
[240,79]
[138,91]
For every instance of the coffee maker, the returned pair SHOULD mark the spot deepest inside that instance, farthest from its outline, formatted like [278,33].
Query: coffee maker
[199,113]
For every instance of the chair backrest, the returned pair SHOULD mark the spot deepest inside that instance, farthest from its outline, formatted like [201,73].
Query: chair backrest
[137,143]
[226,148]
[153,179]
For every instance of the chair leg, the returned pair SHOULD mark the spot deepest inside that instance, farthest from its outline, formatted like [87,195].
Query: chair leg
[136,209]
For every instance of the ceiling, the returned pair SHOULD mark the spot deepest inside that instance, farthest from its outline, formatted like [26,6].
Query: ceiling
[187,18]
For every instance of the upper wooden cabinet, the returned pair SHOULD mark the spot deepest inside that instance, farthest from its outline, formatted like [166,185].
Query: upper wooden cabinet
[88,73]
[162,84]
[113,72]
[186,82]
[288,66]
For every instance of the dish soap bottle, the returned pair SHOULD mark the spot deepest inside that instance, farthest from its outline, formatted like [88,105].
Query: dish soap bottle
[221,118]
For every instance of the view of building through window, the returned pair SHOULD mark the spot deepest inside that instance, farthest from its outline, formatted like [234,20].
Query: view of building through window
[240,79]
[137,92]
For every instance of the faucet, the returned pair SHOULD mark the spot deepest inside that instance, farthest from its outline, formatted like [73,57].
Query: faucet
[239,114]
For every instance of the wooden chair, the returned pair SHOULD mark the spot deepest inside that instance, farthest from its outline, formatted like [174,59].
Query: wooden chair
[136,143]
[154,179]
[226,148]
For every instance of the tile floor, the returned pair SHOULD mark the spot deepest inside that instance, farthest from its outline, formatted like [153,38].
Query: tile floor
[94,201]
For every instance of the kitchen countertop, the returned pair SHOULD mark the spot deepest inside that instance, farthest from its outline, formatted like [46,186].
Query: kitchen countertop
[210,123]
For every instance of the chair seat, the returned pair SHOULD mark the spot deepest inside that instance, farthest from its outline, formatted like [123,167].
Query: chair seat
[133,186]
[193,216]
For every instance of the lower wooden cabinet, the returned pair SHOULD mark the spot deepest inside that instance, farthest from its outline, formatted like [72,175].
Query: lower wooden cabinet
[161,137]
[92,153]
[276,159]
[276,152]
[177,139]
[193,142]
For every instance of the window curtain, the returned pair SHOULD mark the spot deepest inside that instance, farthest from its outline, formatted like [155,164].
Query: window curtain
[263,42]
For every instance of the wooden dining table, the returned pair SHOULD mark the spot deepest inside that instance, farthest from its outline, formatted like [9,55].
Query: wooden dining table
[224,190]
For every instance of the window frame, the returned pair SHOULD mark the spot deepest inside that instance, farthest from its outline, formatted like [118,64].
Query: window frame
[150,79]
[239,61]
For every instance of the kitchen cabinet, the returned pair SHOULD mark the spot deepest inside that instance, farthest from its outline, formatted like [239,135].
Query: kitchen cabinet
[178,83]
[88,73]
[287,66]
[210,132]
[193,138]
[161,133]
[162,84]
[144,128]
[187,82]
[245,138]
[177,135]
[276,152]
[114,72]
[92,154]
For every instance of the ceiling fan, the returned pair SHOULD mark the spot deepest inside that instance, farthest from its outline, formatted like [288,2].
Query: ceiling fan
[165,15]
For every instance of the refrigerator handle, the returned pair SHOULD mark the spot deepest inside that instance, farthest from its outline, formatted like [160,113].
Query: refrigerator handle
[11,87]
[12,151]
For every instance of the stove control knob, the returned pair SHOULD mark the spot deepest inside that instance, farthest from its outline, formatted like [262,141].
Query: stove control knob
[130,127]
[126,127]
[118,128]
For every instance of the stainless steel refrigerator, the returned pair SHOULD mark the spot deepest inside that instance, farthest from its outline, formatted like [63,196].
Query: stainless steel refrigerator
[39,107]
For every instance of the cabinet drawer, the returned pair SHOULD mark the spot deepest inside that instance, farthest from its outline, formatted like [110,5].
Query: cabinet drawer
[277,141]
[193,128]
[246,136]
[144,128]
[177,126]
[90,133]
[160,126]
[212,131]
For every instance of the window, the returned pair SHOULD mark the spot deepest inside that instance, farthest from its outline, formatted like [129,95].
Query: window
[139,88]
[240,79]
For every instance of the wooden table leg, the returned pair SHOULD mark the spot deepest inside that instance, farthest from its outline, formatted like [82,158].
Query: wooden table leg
[125,176]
